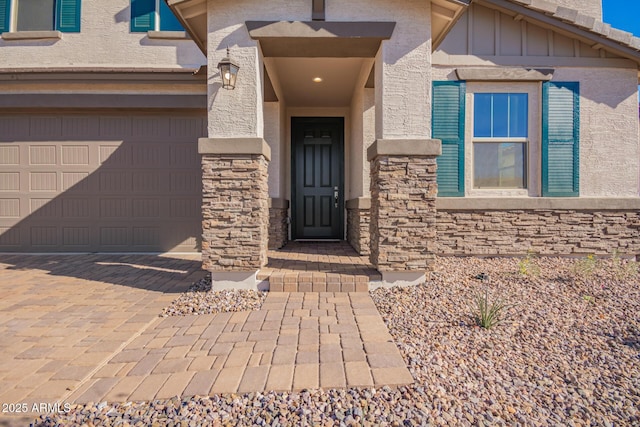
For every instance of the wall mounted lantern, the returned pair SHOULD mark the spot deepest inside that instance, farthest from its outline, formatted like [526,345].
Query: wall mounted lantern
[228,71]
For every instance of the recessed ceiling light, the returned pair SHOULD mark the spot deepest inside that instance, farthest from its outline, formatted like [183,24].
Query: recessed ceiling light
[317,79]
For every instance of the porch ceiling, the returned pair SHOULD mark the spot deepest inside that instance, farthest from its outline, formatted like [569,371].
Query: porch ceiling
[293,79]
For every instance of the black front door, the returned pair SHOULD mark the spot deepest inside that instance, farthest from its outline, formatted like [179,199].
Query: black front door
[317,177]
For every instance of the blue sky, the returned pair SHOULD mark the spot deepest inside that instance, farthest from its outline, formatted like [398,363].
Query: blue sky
[623,14]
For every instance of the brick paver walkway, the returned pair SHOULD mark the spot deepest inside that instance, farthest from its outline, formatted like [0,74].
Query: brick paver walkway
[86,327]
[296,341]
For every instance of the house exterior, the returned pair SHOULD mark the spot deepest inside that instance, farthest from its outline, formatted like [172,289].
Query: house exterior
[410,128]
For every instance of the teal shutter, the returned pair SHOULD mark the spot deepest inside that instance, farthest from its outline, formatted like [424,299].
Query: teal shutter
[168,21]
[4,16]
[68,16]
[560,139]
[143,15]
[448,115]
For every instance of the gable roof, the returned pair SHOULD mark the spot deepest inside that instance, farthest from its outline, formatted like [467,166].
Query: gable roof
[603,35]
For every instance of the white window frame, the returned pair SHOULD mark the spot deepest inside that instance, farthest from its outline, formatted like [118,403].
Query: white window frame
[156,20]
[533,141]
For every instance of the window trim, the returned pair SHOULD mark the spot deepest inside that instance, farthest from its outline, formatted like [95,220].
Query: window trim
[533,162]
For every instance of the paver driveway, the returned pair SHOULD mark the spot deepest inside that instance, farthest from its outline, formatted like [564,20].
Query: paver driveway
[63,316]
[86,328]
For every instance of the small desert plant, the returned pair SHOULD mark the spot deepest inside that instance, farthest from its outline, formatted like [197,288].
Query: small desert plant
[623,270]
[527,265]
[586,267]
[490,313]
[589,299]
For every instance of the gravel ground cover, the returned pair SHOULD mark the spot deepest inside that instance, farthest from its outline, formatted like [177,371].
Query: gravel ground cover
[567,353]
[199,299]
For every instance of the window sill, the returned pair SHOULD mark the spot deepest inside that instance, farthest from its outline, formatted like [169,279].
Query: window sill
[537,203]
[168,35]
[500,193]
[32,35]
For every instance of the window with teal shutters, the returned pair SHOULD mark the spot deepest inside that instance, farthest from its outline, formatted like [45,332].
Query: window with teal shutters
[448,116]
[68,15]
[560,139]
[143,15]
[4,16]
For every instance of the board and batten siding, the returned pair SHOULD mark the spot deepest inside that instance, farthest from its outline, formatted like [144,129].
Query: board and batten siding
[491,34]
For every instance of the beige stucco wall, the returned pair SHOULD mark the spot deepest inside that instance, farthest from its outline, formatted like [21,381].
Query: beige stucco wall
[275,134]
[609,153]
[362,136]
[104,41]
[272,136]
[403,73]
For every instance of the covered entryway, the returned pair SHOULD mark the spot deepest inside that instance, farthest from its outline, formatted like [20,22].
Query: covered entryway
[368,63]
[317,177]
[100,182]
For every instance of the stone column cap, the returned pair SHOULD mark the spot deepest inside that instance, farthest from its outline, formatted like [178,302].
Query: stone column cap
[404,147]
[249,145]
[359,203]
[278,203]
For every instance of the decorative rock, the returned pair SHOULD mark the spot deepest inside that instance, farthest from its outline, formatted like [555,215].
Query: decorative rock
[200,299]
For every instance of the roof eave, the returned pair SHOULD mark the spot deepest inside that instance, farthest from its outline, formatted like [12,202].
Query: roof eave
[192,14]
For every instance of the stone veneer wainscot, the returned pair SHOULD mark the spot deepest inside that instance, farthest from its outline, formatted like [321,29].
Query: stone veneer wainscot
[572,226]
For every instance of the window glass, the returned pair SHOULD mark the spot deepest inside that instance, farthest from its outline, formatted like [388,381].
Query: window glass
[482,115]
[168,21]
[498,160]
[500,115]
[35,15]
[518,115]
[499,165]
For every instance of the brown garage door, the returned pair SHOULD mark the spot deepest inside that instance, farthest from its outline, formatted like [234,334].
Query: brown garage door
[126,182]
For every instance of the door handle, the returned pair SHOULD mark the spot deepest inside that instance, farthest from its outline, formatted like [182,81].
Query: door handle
[336,196]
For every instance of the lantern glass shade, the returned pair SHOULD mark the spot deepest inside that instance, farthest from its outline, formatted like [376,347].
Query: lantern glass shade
[228,72]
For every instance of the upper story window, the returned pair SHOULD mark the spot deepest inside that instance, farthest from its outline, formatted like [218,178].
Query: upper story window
[153,15]
[40,15]
[500,137]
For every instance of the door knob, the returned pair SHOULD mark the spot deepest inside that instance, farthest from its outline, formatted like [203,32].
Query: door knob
[335,196]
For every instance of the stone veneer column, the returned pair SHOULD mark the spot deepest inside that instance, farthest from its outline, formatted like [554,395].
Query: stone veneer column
[403,208]
[235,209]
[278,224]
[358,223]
